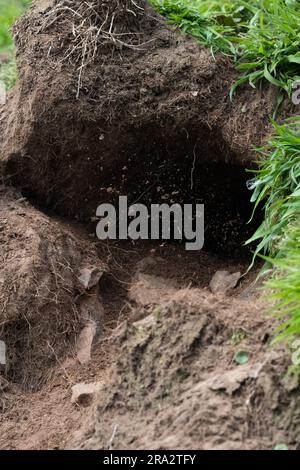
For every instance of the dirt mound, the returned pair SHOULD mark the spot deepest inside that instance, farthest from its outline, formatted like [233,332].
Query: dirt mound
[176,385]
[111,100]
[48,417]
[43,304]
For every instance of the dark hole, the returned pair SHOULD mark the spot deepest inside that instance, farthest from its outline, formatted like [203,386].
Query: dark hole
[186,169]
[152,163]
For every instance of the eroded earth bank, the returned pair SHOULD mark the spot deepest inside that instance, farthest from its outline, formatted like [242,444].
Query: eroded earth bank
[125,345]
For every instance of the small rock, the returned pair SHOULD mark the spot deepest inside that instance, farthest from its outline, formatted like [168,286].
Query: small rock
[90,277]
[223,281]
[2,354]
[230,381]
[21,199]
[85,341]
[4,385]
[83,394]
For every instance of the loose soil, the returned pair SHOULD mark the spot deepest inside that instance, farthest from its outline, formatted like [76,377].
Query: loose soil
[173,344]
[163,354]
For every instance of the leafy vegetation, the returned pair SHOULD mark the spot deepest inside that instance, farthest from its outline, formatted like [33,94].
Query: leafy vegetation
[285,288]
[212,22]
[277,185]
[8,72]
[262,36]
[241,357]
[10,10]
[269,49]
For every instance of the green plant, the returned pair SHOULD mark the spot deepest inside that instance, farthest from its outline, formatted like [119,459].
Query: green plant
[214,23]
[277,186]
[241,358]
[262,36]
[285,290]
[281,447]
[8,73]
[269,49]
[10,10]
[238,336]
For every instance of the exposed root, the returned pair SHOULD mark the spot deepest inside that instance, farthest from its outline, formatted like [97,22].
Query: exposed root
[115,24]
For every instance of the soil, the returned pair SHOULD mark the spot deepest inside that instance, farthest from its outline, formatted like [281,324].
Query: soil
[165,364]
[140,279]
[150,119]
[43,304]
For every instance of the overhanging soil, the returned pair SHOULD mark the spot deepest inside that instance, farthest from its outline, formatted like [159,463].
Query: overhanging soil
[167,100]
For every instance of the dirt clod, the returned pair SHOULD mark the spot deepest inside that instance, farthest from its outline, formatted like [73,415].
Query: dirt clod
[132,119]
[151,290]
[84,342]
[2,355]
[83,394]
[90,277]
[223,281]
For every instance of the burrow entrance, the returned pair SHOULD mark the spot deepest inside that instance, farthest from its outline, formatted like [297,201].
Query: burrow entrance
[188,167]
[151,163]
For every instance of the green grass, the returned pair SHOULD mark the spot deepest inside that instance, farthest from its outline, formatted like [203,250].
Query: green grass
[10,10]
[270,48]
[262,36]
[277,186]
[285,290]
[212,22]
